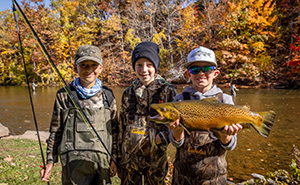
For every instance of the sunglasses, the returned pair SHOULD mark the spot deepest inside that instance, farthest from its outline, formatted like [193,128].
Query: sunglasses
[205,69]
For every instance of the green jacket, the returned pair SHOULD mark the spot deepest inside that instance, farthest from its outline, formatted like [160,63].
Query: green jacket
[70,134]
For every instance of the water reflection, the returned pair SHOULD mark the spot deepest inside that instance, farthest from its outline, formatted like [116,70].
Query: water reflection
[253,154]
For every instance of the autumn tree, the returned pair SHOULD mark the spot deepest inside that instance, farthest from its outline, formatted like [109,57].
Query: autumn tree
[8,47]
[244,46]
[168,21]
[254,40]
[187,36]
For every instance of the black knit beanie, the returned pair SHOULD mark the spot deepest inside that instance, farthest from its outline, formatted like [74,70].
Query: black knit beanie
[147,50]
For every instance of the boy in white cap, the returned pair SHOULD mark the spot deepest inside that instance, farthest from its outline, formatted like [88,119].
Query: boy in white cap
[200,156]
[84,160]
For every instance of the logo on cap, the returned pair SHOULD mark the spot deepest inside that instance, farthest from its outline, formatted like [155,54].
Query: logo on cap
[199,53]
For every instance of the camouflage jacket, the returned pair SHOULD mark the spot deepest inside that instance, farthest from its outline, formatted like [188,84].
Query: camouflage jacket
[135,121]
[62,102]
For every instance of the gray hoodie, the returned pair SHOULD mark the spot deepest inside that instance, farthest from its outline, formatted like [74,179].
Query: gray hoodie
[196,95]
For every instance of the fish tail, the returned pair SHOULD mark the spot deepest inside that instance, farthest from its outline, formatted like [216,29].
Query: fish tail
[267,123]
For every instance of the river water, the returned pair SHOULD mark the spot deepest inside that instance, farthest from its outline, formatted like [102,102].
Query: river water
[253,154]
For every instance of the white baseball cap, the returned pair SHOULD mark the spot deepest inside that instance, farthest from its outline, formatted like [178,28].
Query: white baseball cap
[201,54]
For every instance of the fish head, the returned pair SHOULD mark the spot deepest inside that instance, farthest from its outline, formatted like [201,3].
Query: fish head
[166,113]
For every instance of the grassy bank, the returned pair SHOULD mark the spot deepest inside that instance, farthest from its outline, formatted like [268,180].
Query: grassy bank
[20,161]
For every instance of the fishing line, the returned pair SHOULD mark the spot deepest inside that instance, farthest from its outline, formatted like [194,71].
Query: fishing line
[28,86]
[66,87]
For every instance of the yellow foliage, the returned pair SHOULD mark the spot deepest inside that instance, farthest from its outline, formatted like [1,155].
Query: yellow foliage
[256,14]
[247,25]
[258,46]
[158,37]
[190,28]
[265,61]
[112,24]
[129,37]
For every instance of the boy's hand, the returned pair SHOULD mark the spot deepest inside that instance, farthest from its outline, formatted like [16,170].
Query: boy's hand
[177,130]
[174,125]
[228,131]
[113,169]
[46,172]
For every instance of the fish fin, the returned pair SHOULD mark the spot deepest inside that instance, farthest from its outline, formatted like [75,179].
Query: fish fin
[215,132]
[212,100]
[247,107]
[185,128]
[246,126]
[267,123]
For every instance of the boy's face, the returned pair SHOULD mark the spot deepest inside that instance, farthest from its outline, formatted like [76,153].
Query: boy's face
[202,82]
[145,71]
[88,72]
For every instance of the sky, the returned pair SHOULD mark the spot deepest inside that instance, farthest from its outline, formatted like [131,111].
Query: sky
[6,4]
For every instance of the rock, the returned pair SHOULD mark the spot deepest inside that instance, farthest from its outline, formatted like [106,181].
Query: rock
[271,182]
[258,176]
[29,134]
[3,131]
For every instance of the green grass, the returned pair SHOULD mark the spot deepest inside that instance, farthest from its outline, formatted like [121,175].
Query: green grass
[20,161]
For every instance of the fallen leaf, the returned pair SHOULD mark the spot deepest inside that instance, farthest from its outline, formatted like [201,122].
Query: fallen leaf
[8,158]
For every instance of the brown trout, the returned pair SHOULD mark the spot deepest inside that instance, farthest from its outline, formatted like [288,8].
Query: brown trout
[210,114]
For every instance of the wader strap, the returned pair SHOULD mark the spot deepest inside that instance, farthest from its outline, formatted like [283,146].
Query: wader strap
[186,96]
[220,97]
[74,93]
[132,105]
[108,96]
[156,98]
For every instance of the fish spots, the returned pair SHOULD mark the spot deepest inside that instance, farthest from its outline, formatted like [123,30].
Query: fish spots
[205,115]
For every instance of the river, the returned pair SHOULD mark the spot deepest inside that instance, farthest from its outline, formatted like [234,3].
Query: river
[253,154]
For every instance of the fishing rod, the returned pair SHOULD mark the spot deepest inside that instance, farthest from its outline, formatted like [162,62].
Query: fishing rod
[73,98]
[28,86]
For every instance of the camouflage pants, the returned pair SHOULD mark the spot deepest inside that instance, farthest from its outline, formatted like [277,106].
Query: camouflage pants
[132,177]
[144,170]
[179,179]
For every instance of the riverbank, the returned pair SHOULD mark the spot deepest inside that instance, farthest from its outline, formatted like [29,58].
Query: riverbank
[20,161]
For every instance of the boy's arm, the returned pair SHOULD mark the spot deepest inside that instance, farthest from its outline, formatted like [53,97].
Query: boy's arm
[122,124]
[177,135]
[56,132]
[115,131]
[228,137]
[115,128]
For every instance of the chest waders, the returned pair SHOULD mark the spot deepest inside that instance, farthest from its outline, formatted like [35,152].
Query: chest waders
[78,135]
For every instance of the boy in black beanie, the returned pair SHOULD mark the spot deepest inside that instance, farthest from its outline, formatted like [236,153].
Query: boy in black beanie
[143,144]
